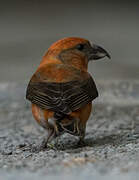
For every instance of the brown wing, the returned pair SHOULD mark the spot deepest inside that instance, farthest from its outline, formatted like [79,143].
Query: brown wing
[62,97]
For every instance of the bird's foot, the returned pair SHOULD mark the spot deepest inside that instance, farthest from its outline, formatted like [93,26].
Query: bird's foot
[42,146]
[81,143]
[52,146]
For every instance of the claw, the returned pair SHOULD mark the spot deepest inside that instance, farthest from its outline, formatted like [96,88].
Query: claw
[51,146]
[81,141]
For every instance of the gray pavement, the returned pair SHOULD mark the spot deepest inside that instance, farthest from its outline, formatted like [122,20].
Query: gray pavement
[27,29]
[112,138]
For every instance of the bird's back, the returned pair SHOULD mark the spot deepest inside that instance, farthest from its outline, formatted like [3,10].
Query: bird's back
[61,88]
[58,73]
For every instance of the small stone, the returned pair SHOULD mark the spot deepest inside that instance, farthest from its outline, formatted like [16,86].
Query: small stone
[55,155]
[7,152]
[86,155]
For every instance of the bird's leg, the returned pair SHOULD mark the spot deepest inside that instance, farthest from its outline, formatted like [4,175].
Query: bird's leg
[81,141]
[49,137]
[44,144]
[52,123]
[76,126]
[56,142]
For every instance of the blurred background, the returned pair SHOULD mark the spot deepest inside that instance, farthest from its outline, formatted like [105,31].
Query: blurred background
[28,28]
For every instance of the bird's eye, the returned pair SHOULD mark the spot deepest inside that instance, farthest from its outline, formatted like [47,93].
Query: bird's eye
[80,47]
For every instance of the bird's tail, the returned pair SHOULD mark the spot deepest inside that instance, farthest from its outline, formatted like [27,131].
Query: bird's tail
[59,116]
[66,123]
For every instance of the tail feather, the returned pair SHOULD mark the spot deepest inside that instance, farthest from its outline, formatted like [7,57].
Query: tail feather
[59,116]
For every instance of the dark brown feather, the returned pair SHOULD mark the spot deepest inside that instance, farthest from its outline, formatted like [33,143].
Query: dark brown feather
[62,97]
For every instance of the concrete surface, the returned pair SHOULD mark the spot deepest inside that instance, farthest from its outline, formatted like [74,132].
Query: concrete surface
[112,138]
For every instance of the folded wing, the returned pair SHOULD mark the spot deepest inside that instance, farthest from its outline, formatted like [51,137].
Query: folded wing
[62,97]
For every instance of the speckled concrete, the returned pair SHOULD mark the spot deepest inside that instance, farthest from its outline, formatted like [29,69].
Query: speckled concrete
[112,138]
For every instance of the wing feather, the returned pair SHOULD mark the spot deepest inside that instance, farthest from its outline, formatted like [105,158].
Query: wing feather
[62,97]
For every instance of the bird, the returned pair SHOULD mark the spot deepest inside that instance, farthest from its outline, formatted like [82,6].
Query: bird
[61,90]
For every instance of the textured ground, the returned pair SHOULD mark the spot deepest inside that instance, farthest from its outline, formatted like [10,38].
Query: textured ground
[112,138]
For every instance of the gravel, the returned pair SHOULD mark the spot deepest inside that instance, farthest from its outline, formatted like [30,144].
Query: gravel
[112,138]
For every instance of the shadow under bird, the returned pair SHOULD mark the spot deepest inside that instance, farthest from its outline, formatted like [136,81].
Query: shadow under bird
[61,90]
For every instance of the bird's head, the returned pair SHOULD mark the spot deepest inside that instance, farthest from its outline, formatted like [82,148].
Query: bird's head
[75,51]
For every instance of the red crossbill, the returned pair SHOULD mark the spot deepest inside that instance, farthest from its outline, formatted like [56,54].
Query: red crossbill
[61,90]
